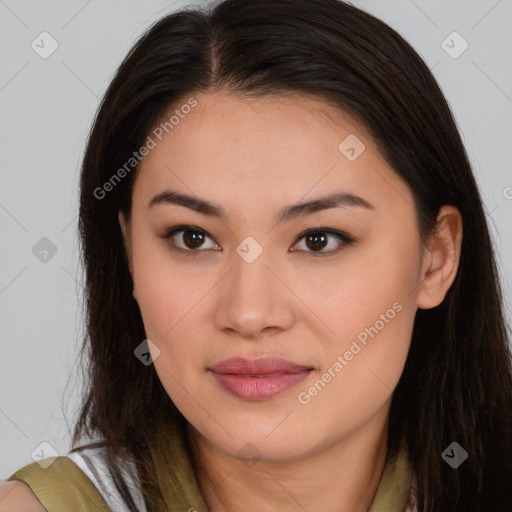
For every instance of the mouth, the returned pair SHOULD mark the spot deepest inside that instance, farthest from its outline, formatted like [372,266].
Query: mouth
[258,379]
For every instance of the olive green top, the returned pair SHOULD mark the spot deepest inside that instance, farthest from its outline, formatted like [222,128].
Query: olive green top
[64,487]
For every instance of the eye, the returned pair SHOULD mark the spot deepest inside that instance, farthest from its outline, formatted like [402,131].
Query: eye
[191,239]
[317,239]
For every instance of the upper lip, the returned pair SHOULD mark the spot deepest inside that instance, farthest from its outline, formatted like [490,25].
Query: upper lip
[262,366]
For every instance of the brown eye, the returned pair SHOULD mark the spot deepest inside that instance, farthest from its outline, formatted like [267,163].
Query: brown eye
[187,239]
[317,240]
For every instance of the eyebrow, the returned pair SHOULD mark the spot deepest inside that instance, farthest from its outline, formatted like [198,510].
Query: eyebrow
[335,200]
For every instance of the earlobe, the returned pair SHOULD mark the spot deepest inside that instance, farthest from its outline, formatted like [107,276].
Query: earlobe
[441,258]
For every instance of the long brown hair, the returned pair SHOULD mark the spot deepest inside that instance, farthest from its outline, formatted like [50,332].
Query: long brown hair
[457,381]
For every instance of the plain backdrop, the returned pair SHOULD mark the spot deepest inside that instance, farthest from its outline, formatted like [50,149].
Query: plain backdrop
[47,105]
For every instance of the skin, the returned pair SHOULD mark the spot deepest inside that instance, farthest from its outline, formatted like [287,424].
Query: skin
[17,496]
[254,157]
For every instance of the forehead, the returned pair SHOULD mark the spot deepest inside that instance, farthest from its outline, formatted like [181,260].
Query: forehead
[268,149]
[240,125]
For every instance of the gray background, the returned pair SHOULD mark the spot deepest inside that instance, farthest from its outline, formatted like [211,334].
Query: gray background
[47,106]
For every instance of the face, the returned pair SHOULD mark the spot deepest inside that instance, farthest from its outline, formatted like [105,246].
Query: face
[332,290]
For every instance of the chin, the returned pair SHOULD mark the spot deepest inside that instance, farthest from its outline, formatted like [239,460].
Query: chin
[261,441]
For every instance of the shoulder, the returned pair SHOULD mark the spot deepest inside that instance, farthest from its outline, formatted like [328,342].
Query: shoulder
[17,496]
[57,483]
[79,481]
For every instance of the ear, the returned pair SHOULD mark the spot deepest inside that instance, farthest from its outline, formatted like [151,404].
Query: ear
[441,258]
[126,231]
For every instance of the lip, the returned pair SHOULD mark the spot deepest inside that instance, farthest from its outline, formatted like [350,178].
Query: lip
[258,379]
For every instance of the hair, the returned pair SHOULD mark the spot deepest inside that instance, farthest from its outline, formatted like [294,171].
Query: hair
[457,381]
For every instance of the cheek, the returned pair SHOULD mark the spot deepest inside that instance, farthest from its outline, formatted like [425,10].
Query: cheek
[351,294]
[361,369]
[164,289]
[170,296]
[368,312]
[169,302]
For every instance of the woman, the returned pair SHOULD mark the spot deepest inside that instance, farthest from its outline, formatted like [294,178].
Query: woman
[292,296]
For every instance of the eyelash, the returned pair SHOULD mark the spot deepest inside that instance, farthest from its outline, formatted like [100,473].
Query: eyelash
[339,235]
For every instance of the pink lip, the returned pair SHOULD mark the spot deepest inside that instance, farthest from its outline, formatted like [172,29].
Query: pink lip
[258,378]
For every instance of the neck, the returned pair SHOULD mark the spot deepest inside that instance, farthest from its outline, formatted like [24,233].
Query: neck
[340,476]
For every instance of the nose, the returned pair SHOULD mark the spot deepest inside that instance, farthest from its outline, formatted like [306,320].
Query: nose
[253,300]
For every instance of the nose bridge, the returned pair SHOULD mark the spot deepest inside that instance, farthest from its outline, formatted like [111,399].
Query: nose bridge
[252,297]
[251,279]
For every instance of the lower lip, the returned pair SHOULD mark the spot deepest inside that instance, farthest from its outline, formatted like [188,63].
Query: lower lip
[259,388]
